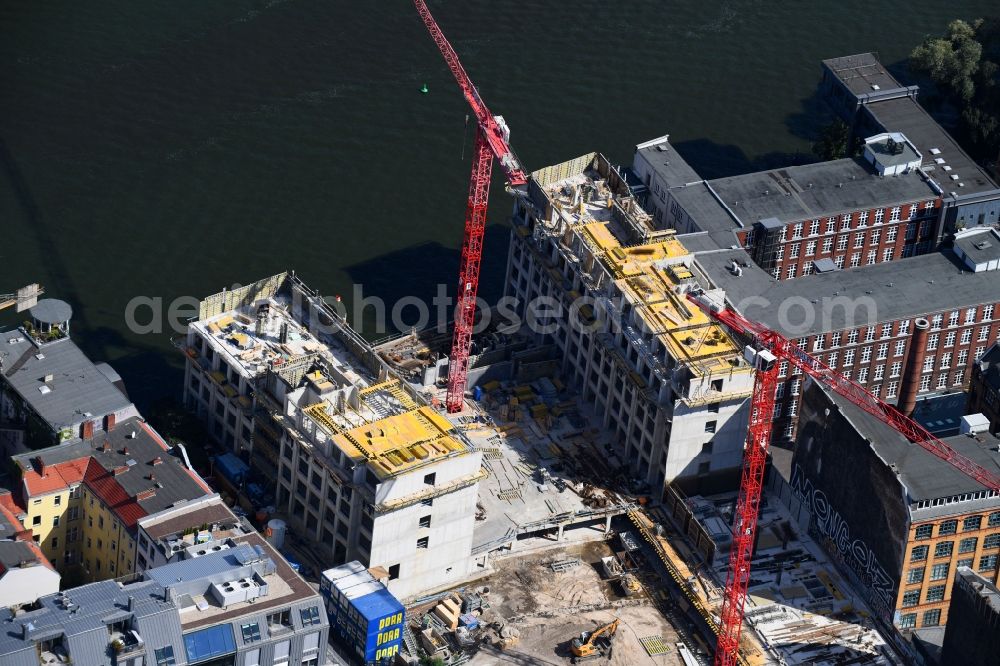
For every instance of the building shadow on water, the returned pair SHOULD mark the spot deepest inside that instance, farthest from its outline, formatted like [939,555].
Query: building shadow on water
[416,272]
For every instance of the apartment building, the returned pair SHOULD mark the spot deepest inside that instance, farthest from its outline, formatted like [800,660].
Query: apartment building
[361,466]
[907,520]
[871,101]
[657,371]
[83,498]
[25,572]
[239,604]
[984,389]
[49,390]
[843,213]
[862,322]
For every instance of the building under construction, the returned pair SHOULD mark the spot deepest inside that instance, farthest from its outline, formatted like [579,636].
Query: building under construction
[667,382]
[362,467]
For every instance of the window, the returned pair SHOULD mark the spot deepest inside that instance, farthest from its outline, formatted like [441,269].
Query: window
[876,390]
[790,273]
[848,357]
[37,520]
[994,520]
[281,651]
[895,369]
[894,214]
[948,527]
[810,248]
[963,357]
[891,388]
[839,261]
[887,254]
[423,542]
[855,260]
[991,541]
[904,327]
[310,616]
[58,500]
[890,234]
[862,375]
[932,341]
[949,339]
[883,351]
[251,632]
[964,563]
[987,563]
[165,656]
[394,572]
[827,245]
[710,426]
[911,598]
[845,222]
[935,593]
[944,548]
[866,354]
[987,312]
[970,315]
[972,523]
[924,532]
[915,575]
[968,545]
[932,618]
[875,236]
[310,643]
[925,383]
[55,542]
[939,572]
[872,257]
[984,333]
[953,318]
[252,657]
[842,242]
[797,231]
[280,619]
[425,521]
[966,336]
[879,215]
[814,228]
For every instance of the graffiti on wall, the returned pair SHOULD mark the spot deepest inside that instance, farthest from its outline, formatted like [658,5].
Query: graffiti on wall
[852,552]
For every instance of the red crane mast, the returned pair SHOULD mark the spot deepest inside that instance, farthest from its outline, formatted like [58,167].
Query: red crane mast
[491,141]
[769,348]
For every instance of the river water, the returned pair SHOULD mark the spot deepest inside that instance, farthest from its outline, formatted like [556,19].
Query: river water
[164,149]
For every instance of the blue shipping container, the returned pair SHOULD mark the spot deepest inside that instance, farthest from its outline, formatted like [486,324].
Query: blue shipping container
[384,630]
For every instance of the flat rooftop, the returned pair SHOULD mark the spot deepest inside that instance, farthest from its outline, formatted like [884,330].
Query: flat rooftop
[817,190]
[940,150]
[982,586]
[77,388]
[862,73]
[668,164]
[981,246]
[190,578]
[899,289]
[704,207]
[130,468]
[925,476]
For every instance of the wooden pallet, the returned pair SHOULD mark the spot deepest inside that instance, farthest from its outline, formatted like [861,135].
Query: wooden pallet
[654,645]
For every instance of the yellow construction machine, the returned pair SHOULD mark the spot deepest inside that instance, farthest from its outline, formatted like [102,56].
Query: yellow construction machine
[593,644]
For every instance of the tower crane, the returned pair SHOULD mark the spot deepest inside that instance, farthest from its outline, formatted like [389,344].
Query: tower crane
[492,135]
[767,348]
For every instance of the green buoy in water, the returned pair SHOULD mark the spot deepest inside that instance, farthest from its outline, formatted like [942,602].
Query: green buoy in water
[424,89]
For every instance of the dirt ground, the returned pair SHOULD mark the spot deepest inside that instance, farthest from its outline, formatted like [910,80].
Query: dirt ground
[549,609]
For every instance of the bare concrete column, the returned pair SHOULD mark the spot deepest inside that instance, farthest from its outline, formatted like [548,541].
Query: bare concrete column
[560,535]
[607,524]
[910,382]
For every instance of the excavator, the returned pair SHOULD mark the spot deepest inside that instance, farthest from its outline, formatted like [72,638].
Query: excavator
[594,644]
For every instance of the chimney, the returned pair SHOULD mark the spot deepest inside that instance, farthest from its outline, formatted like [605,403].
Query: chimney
[41,466]
[87,429]
[156,461]
[124,450]
[131,603]
[105,447]
[910,382]
[109,422]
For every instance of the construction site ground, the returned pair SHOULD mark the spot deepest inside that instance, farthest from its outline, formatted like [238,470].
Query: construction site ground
[549,609]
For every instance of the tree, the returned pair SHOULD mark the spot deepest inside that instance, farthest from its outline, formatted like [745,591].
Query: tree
[964,65]
[832,144]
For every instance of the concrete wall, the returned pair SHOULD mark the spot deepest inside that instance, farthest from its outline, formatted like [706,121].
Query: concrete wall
[973,626]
